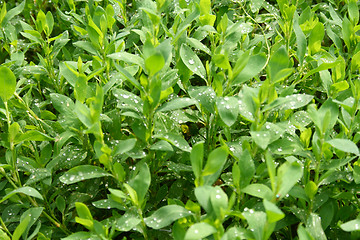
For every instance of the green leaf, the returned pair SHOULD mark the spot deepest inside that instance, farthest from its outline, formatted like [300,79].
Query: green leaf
[289,102]
[176,140]
[350,226]
[344,145]
[124,72]
[228,109]
[247,168]
[258,190]
[60,203]
[192,61]
[205,7]
[195,43]
[13,12]
[33,135]
[273,213]
[287,176]
[166,215]
[49,22]
[313,225]
[256,221]
[3,235]
[2,15]
[256,5]
[196,158]
[83,172]
[80,235]
[199,231]
[311,189]
[124,146]
[38,175]
[255,64]
[154,63]
[34,213]
[127,221]
[261,138]
[219,201]
[176,103]
[278,61]
[316,37]
[29,191]
[205,95]
[83,211]
[353,11]
[7,83]
[356,174]
[81,88]
[303,233]
[162,145]
[20,229]
[216,161]
[128,58]
[141,182]
[203,194]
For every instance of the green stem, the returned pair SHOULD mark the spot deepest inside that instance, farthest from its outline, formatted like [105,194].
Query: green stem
[3,226]
[7,177]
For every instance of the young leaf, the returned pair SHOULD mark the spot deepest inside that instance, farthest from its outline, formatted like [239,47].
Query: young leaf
[154,63]
[7,83]
[83,172]
[13,12]
[316,36]
[83,211]
[273,213]
[49,23]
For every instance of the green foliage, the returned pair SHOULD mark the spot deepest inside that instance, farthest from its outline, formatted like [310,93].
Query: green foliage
[179,119]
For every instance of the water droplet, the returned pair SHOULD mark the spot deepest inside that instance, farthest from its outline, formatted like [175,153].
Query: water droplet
[191,61]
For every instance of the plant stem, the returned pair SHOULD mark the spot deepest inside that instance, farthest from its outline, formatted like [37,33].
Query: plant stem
[3,226]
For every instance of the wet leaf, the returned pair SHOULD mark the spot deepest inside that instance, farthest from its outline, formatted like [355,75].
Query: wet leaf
[344,145]
[192,61]
[199,230]
[166,215]
[83,172]
[29,191]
